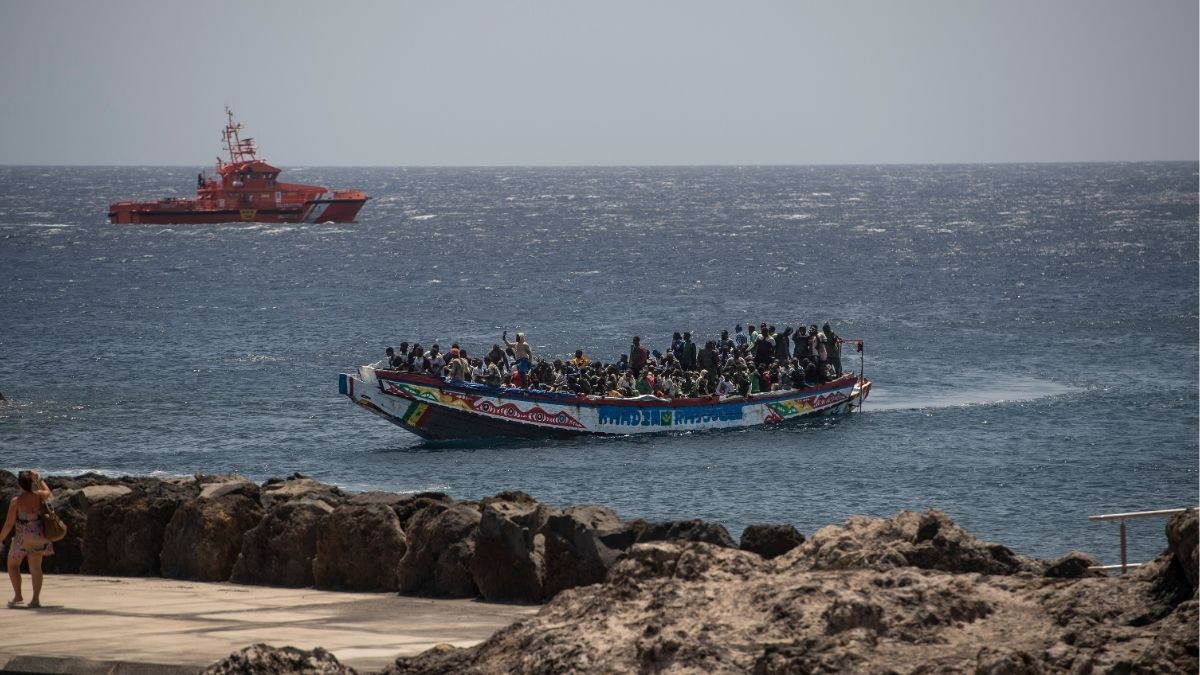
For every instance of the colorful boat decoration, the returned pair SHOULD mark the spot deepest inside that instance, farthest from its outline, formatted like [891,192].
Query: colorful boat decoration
[246,189]
[438,409]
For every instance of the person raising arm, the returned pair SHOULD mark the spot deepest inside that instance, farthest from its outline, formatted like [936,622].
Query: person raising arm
[29,539]
[522,354]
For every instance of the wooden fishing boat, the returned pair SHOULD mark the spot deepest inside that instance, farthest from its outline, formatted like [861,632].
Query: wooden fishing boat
[439,409]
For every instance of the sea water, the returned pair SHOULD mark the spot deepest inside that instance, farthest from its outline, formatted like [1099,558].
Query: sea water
[1031,332]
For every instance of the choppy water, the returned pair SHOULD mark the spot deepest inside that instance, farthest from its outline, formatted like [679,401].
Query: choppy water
[1031,332]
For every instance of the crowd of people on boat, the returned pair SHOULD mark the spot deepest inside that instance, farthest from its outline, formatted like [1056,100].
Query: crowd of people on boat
[751,360]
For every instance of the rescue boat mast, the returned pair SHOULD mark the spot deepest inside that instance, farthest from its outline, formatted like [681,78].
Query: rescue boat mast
[239,150]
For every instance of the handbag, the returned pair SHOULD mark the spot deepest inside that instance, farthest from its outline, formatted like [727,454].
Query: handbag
[52,525]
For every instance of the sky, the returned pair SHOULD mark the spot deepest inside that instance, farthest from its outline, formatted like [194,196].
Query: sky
[612,82]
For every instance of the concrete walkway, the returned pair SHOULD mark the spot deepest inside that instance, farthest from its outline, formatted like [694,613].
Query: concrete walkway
[123,625]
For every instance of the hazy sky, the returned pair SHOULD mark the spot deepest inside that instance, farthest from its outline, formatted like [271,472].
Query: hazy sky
[604,82]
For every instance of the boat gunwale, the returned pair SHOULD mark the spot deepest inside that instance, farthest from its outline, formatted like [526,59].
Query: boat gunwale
[559,398]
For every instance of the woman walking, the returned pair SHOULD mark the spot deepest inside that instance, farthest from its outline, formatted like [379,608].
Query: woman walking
[29,541]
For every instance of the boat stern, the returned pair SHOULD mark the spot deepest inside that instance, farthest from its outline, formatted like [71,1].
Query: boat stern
[339,206]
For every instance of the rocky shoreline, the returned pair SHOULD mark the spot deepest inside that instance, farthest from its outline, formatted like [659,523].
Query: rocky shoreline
[913,593]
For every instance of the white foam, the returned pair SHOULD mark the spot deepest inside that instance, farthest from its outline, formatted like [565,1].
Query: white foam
[976,389]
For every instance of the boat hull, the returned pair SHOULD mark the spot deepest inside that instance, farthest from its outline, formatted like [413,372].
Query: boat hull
[166,213]
[439,410]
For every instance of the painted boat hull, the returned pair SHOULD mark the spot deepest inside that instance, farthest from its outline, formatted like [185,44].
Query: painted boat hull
[190,212]
[439,410]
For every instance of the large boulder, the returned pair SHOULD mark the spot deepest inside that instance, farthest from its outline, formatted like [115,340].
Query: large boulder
[280,549]
[528,552]
[205,535]
[581,544]
[124,534]
[929,540]
[263,659]
[73,505]
[359,546]
[683,531]
[441,545]
[770,541]
[509,559]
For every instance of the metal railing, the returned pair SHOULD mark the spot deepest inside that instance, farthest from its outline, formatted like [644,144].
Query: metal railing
[1121,518]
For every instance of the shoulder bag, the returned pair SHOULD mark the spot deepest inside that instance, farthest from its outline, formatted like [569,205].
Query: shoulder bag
[52,525]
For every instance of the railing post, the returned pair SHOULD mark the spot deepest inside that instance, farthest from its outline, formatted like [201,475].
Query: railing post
[1124,558]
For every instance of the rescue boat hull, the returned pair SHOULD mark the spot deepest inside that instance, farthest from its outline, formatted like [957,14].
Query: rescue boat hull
[159,213]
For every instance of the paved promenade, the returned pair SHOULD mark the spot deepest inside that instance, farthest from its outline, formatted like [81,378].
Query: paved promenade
[123,625]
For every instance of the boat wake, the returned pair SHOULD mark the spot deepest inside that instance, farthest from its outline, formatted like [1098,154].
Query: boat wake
[984,389]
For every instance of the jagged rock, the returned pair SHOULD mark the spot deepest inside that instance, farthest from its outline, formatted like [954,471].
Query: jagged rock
[409,505]
[694,607]
[441,658]
[124,532]
[509,558]
[9,487]
[834,654]
[263,659]
[770,541]
[685,530]
[215,487]
[359,546]
[205,535]
[1003,661]
[581,544]
[298,486]
[1183,534]
[441,545]
[73,506]
[929,540]
[280,549]
[81,481]
[1073,565]
[692,561]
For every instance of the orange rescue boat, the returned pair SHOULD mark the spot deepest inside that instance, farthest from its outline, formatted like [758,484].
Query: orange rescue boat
[246,189]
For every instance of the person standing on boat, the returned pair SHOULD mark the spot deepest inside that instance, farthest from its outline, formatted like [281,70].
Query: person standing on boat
[687,352]
[725,342]
[833,346]
[709,361]
[458,366]
[638,356]
[522,353]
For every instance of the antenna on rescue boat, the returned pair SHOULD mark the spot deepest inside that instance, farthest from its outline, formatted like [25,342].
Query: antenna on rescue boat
[239,150]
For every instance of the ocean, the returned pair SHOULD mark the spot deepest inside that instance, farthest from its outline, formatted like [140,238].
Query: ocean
[1031,332]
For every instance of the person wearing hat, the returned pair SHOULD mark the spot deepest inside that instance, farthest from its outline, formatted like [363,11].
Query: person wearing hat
[459,367]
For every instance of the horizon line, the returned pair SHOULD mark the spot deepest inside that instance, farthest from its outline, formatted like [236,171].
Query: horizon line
[639,166]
